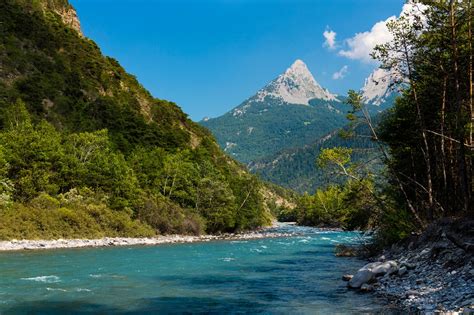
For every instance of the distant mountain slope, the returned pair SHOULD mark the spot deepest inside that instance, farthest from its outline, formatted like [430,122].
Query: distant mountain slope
[297,169]
[290,111]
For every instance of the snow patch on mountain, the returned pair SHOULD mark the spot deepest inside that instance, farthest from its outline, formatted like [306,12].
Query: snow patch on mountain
[378,87]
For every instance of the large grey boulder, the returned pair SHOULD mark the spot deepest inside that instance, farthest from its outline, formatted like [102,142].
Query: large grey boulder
[387,267]
[371,270]
[361,277]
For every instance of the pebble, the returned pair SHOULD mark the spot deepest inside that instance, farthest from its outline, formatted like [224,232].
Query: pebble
[15,245]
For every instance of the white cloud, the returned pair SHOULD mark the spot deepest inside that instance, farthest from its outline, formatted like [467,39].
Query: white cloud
[341,73]
[361,45]
[330,38]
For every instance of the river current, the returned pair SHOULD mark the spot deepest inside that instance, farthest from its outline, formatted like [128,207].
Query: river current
[298,274]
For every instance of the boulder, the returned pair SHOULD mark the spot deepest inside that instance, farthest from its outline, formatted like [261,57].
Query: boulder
[371,270]
[347,277]
[361,277]
[388,267]
[345,251]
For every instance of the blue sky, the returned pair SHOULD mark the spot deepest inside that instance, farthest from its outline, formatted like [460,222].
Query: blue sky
[210,55]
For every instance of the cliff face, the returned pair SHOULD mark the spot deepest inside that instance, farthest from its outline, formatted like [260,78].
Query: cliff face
[69,17]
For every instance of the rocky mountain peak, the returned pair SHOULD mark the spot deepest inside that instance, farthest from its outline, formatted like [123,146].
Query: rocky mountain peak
[296,86]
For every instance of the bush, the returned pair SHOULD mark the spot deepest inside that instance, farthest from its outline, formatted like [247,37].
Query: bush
[46,217]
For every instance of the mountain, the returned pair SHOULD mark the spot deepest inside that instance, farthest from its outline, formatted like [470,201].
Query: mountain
[295,167]
[87,151]
[290,111]
[380,89]
[295,86]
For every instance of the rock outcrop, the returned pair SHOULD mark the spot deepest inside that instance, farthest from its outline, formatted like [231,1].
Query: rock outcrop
[70,18]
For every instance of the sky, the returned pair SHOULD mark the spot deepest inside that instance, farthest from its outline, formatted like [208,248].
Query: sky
[208,56]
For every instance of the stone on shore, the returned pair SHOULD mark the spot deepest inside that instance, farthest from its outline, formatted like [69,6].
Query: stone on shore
[371,271]
[361,277]
[387,267]
[435,271]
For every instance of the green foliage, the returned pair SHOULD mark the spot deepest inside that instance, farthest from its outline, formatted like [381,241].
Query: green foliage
[257,134]
[295,168]
[349,206]
[337,156]
[70,215]
[86,151]
[167,217]
[430,131]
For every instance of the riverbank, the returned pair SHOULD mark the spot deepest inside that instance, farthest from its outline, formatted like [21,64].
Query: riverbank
[430,273]
[15,245]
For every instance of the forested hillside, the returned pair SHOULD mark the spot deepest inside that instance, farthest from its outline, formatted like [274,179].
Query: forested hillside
[297,168]
[86,151]
[425,141]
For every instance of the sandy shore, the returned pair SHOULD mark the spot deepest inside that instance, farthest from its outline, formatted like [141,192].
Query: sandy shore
[15,245]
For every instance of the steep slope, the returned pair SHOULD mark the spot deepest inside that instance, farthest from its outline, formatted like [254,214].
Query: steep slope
[290,111]
[82,138]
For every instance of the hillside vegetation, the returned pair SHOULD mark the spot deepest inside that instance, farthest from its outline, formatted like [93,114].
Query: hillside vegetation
[272,126]
[86,151]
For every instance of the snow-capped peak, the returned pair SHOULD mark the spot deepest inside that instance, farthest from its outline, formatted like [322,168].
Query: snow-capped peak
[378,87]
[296,86]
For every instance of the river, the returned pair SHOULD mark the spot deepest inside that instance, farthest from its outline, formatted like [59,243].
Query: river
[296,274]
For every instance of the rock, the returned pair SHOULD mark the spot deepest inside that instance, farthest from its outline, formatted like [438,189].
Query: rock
[412,293]
[425,252]
[381,258]
[467,303]
[347,277]
[388,267]
[361,277]
[402,271]
[366,287]
[345,251]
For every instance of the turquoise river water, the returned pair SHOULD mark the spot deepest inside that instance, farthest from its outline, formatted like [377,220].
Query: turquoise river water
[297,274]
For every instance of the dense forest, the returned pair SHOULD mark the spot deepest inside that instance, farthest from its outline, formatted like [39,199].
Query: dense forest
[425,140]
[86,151]
[295,168]
[261,132]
